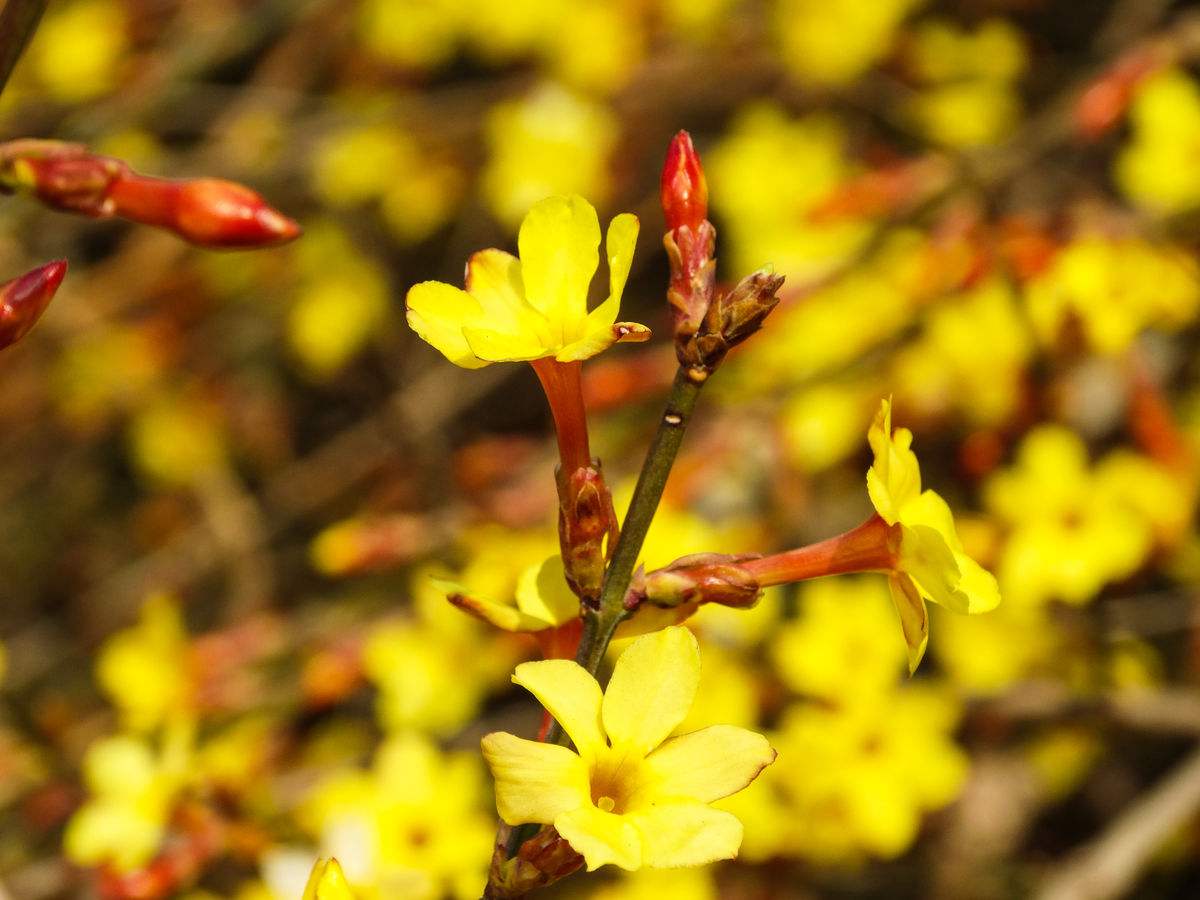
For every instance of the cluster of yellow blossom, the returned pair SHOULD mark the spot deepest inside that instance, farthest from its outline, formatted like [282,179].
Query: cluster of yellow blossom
[833,45]
[1155,168]
[1074,527]
[968,94]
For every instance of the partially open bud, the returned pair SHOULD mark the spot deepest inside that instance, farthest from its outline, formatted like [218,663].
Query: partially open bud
[542,860]
[684,189]
[327,882]
[730,319]
[208,212]
[24,299]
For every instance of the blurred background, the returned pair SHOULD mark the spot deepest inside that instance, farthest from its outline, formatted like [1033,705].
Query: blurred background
[226,477]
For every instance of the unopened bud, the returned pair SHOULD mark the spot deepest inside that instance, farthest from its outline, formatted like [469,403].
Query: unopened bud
[24,299]
[701,578]
[684,189]
[208,212]
[327,882]
[542,860]
[587,528]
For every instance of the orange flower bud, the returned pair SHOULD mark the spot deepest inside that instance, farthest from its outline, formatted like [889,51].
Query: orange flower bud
[24,299]
[684,190]
[205,211]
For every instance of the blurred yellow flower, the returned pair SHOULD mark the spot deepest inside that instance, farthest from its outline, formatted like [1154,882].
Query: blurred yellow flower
[986,654]
[1157,169]
[177,440]
[536,306]
[631,796]
[871,770]
[145,669]
[1074,528]
[832,44]
[413,33]
[413,826]
[132,790]
[79,48]
[1113,288]
[932,565]
[843,644]
[548,142]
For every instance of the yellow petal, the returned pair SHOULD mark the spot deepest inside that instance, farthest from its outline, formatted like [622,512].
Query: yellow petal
[494,280]
[438,312]
[558,245]
[542,593]
[930,551]
[498,346]
[599,338]
[601,837]
[709,764]
[652,688]
[619,244]
[327,882]
[569,694]
[894,477]
[914,617]
[534,782]
[686,834]
[504,617]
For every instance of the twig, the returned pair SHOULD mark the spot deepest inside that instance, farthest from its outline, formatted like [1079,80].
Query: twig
[1109,866]
[18,21]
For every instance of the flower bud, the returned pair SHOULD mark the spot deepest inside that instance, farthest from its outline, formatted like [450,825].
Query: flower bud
[587,528]
[327,882]
[701,578]
[684,189]
[208,212]
[730,319]
[541,860]
[24,299]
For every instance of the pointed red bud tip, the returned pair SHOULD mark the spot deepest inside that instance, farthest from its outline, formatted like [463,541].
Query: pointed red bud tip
[24,299]
[208,212]
[684,190]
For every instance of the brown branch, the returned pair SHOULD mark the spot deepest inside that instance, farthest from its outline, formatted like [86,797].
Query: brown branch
[18,21]
[1109,866]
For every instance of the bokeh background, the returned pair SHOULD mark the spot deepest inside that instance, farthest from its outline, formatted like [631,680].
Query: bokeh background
[226,477]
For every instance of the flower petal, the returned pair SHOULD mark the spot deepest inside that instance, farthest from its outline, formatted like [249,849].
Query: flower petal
[569,694]
[504,617]
[894,477]
[652,688]
[601,837]
[618,245]
[494,279]
[708,764]
[558,245]
[498,346]
[534,782]
[438,312]
[599,338]
[542,593]
[972,589]
[686,834]
[914,617]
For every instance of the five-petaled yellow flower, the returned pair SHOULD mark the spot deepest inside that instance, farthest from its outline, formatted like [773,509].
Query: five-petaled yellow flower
[931,563]
[536,306]
[628,794]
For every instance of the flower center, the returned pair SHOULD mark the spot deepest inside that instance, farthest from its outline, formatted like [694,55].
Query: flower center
[606,803]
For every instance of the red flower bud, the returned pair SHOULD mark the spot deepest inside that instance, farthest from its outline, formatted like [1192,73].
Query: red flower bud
[24,299]
[684,190]
[205,211]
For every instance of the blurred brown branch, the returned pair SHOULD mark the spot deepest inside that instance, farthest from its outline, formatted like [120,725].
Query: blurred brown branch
[18,21]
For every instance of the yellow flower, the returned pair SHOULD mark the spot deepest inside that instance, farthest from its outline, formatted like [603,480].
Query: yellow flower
[327,882]
[931,563]
[543,600]
[629,796]
[536,306]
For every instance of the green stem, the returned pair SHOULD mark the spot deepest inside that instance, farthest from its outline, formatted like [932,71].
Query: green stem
[18,21]
[601,623]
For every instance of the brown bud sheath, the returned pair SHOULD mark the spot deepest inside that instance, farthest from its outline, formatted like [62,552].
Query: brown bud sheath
[24,299]
[702,578]
[542,860]
[730,319]
[208,212]
[690,240]
[587,528]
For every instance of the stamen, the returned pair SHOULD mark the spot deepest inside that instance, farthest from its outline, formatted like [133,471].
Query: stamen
[608,804]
